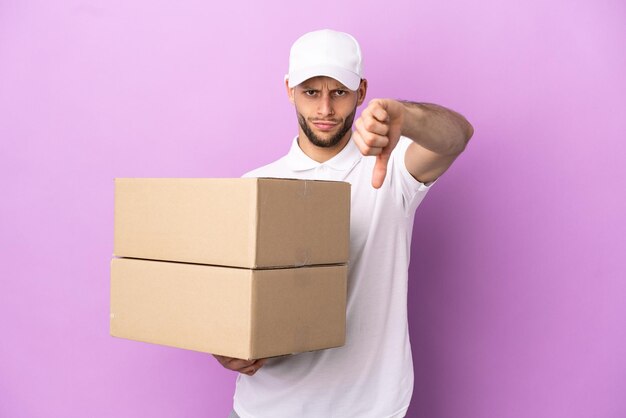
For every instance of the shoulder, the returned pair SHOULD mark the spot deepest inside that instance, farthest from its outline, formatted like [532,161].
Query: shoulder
[277,168]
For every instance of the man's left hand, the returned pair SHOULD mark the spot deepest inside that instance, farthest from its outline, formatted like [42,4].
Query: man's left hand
[378,130]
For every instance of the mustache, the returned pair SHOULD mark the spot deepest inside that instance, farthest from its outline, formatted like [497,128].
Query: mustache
[324,120]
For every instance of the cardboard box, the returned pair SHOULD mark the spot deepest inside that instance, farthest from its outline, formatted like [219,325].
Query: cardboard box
[250,223]
[234,312]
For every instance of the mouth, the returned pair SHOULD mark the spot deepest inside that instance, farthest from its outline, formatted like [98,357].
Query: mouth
[324,125]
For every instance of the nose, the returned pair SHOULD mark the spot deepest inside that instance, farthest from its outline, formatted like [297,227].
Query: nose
[325,106]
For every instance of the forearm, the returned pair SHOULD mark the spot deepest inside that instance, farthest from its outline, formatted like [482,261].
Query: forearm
[440,130]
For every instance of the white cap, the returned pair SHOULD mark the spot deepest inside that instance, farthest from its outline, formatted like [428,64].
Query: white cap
[326,53]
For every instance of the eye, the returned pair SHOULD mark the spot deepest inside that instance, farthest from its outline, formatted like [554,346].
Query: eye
[340,93]
[310,92]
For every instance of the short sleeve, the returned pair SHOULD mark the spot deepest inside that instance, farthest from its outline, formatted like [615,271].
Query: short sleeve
[412,190]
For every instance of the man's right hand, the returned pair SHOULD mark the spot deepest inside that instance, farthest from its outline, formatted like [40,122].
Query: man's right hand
[248,367]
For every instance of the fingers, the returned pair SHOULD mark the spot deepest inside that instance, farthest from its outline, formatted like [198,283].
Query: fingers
[250,370]
[249,367]
[370,135]
[378,110]
[253,368]
[371,147]
[380,170]
[378,130]
[372,138]
[374,119]
[382,153]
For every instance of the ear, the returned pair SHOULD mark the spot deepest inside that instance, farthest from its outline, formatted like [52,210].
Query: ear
[361,92]
[290,91]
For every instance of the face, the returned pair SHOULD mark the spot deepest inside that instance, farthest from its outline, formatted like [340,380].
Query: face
[326,110]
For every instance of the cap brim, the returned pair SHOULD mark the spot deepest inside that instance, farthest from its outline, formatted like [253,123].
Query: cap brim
[345,77]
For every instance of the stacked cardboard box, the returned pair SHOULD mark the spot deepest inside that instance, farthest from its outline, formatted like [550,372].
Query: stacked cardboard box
[246,268]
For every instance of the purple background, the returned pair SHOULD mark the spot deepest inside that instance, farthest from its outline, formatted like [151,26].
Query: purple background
[517,294]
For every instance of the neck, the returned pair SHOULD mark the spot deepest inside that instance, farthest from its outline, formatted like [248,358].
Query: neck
[321,154]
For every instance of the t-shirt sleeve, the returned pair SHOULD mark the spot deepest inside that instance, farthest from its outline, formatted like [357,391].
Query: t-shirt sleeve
[411,190]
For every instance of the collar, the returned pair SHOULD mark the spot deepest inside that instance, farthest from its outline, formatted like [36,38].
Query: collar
[347,158]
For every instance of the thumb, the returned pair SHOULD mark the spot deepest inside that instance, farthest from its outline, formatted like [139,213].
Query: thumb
[380,170]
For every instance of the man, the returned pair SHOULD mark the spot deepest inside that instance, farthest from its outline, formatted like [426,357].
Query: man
[391,160]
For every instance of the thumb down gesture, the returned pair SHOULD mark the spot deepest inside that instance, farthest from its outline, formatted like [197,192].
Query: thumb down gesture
[378,130]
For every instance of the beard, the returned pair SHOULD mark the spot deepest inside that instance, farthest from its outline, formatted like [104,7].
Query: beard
[333,140]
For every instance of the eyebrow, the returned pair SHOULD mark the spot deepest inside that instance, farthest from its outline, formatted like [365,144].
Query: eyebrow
[333,88]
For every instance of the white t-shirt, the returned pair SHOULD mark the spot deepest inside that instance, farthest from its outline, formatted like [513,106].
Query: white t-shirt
[372,375]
